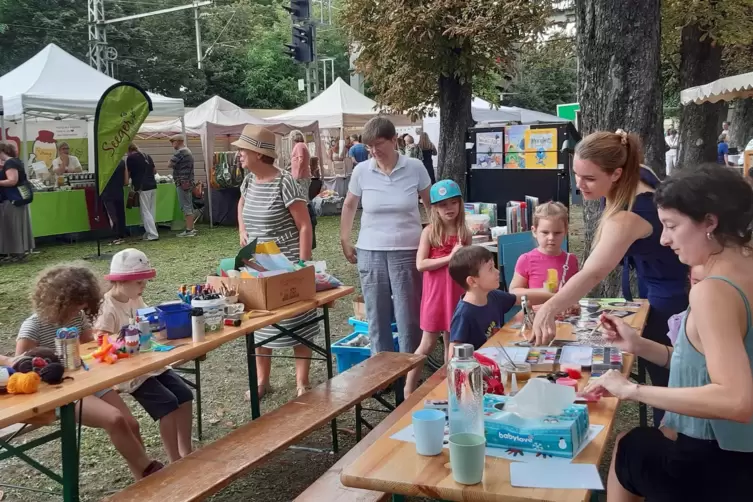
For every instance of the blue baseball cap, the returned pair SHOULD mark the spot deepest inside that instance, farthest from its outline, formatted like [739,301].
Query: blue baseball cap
[443,190]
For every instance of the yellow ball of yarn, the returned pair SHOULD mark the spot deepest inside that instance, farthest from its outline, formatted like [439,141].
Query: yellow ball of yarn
[23,383]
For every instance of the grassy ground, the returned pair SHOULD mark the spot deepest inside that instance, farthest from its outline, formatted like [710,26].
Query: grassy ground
[224,376]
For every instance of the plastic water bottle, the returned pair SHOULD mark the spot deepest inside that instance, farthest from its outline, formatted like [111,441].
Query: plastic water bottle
[466,392]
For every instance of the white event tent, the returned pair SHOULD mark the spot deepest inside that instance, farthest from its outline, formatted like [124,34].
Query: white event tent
[338,106]
[220,117]
[55,85]
[724,89]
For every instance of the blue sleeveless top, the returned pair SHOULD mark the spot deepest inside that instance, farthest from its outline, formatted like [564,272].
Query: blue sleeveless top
[689,369]
[662,278]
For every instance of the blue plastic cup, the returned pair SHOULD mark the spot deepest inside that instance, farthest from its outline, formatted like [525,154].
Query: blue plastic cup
[428,429]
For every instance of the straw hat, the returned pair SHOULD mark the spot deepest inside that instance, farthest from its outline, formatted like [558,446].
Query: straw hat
[177,137]
[257,139]
[130,265]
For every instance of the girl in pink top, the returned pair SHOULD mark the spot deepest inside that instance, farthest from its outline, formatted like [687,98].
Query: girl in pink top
[550,221]
[442,237]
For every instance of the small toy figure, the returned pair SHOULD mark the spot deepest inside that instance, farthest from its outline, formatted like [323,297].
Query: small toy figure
[527,316]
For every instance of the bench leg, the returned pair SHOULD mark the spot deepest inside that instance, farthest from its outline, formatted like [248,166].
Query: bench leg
[641,378]
[359,430]
[199,428]
[252,385]
[69,448]
[330,374]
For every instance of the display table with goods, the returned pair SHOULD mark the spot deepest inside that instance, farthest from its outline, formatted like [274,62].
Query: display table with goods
[538,437]
[70,208]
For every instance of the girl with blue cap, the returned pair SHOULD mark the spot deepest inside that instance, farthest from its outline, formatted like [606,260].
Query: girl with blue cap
[442,237]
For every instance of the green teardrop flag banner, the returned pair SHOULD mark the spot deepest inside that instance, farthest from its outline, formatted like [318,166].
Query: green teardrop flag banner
[120,112]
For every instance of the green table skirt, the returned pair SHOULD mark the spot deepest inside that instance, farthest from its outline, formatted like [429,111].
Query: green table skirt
[58,213]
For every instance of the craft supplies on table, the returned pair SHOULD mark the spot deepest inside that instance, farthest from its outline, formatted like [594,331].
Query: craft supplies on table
[177,320]
[67,348]
[198,331]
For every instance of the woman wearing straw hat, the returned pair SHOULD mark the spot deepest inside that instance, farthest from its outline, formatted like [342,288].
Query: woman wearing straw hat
[273,208]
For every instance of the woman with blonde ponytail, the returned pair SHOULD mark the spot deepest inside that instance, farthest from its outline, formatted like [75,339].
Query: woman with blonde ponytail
[609,165]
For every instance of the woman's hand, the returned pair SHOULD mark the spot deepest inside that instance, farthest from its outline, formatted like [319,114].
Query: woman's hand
[244,238]
[544,326]
[613,383]
[349,251]
[619,333]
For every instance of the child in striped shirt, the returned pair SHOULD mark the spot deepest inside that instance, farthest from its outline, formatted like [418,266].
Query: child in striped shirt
[68,296]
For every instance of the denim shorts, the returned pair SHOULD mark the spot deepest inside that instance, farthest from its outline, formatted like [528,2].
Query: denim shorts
[162,394]
[185,200]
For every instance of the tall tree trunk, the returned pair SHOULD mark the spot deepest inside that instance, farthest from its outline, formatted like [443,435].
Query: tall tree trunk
[619,84]
[741,128]
[700,63]
[454,120]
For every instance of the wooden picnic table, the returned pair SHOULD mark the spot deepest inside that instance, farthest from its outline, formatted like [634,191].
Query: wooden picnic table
[393,466]
[25,408]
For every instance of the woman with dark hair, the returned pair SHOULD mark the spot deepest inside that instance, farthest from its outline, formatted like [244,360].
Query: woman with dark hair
[16,237]
[610,165]
[387,185]
[141,169]
[707,451]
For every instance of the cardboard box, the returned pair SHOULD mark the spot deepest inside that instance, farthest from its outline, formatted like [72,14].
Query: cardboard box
[560,436]
[269,293]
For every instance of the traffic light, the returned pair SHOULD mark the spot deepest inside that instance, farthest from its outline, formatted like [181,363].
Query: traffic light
[302,48]
[300,10]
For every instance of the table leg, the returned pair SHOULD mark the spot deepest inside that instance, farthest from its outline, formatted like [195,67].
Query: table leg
[252,383]
[330,374]
[70,452]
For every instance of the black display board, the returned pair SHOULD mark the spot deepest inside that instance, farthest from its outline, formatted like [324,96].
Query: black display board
[503,185]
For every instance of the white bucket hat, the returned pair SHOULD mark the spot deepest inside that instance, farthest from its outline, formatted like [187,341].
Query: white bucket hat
[130,265]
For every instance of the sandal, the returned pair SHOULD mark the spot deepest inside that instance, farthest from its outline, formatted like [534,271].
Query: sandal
[303,389]
[262,389]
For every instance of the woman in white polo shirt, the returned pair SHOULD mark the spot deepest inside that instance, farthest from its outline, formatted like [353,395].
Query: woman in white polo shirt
[387,186]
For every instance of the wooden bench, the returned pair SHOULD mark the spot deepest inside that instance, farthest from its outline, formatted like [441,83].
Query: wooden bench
[329,488]
[208,470]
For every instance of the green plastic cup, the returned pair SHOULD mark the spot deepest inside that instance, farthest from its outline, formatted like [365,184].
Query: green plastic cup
[467,455]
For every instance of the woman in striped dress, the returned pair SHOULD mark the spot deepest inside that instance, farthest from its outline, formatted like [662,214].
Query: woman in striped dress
[273,208]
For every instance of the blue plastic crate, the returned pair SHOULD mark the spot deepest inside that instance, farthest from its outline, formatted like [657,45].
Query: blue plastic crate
[177,320]
[363,326]
[347,357]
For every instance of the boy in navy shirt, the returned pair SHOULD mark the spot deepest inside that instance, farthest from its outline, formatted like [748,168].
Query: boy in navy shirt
[481,311]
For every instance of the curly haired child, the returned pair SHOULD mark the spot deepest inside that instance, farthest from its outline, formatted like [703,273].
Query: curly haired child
[69,296]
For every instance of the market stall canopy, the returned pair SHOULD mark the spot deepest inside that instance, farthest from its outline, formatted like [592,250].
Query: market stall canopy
[55,84]
[724,89]
[216,110]
[337,106]
[218,116]
[485,113]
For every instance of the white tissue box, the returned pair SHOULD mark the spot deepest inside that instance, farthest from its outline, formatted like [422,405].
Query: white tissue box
[558,436]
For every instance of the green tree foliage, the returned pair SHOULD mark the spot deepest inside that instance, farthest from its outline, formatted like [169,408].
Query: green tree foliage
[418,54]
[546,76]
[243,41]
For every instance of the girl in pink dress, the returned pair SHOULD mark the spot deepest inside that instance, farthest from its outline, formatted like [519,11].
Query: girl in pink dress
[550,222]
[442,237]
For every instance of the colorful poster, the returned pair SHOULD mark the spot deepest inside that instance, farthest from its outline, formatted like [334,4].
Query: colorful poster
[515,146]
[489,142]
[44,137]
[120,112]
[541,149]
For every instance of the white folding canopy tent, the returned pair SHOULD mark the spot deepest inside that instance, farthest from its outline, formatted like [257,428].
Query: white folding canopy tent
[724,89]
[55,85]
[219,117]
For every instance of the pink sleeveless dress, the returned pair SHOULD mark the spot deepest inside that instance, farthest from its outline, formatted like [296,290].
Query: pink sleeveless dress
[440,293]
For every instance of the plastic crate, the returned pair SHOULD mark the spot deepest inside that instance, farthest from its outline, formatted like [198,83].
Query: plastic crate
[363,326]
[177,320]
[347,357]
